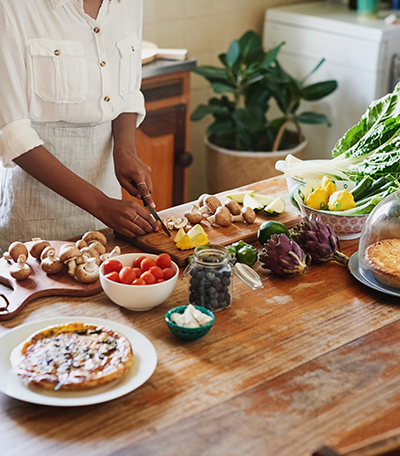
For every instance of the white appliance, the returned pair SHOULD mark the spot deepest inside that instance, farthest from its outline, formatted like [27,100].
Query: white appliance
[363,55]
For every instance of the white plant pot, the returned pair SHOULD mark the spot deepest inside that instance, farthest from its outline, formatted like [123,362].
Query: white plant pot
[228,169]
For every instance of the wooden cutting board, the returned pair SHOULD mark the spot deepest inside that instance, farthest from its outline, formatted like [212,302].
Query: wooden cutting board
[38,285]
[160,242]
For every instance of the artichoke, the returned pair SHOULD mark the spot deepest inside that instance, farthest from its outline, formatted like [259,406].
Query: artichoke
[318,239]
[284,257]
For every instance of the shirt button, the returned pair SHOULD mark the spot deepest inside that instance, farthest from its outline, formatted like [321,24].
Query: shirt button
[96,30]
[107,99]
[56,52]
[133,49]
[102,63]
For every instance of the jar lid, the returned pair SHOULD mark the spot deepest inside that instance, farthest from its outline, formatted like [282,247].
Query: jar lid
[248,275]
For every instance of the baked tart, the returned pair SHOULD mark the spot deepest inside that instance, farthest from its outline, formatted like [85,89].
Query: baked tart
[72,356]
[383,260]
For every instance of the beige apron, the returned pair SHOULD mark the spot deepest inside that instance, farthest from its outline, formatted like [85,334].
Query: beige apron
[29,209]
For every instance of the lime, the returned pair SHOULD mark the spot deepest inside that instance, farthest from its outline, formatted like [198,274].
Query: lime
[270,227]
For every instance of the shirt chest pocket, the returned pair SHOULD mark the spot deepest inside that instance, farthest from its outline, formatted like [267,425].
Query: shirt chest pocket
[59,70]
[129,54]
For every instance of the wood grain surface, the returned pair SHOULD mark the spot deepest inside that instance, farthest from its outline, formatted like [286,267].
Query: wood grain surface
[39,284]
[302,363]
[160,242]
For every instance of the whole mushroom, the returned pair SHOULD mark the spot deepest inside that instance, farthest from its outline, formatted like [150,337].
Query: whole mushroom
[91,252]
[16,249]
[70,255]
[98,246]
[211,204]
[20,270]
[233,206]
[87,272]
[247,215]
[93,236]
[222,217]
[194,216]
[114,252]
[37,247]
[52,264]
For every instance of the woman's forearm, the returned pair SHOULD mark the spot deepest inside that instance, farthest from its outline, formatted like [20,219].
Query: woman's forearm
[44,167]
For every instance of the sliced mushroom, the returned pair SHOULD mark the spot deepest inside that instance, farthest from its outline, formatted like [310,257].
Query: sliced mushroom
[20,270]
[37,247]
[222,217]
[194,216]
[91,236]
[182,222]
[7,256]
[114,252]
[51,264]
[87,272]
[211,204]
[233,206]
[16,249]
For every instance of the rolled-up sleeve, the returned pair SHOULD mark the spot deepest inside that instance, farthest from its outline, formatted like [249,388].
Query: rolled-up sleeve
[17,138]
[16,134]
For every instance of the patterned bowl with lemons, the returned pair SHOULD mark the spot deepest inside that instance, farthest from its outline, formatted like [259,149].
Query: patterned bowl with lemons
[345,226]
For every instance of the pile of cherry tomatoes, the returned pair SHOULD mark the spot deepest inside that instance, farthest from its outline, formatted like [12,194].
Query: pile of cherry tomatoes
[144,270]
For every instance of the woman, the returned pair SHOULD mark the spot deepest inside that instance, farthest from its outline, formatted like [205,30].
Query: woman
[70,74]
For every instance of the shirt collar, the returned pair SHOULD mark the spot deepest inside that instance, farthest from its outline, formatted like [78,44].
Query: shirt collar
[57,3]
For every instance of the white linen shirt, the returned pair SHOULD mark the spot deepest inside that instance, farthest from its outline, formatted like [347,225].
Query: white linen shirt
[59,64]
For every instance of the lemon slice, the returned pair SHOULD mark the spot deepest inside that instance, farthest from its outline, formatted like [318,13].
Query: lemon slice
[200,239]
[196,230]
[179,235]
[185,243]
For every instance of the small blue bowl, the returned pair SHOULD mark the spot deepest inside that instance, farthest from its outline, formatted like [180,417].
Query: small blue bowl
[188,333]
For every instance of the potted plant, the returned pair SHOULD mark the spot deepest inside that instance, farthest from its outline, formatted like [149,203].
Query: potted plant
[246,84]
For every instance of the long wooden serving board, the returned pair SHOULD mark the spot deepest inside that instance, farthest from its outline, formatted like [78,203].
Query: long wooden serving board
[160,242]
[38,285]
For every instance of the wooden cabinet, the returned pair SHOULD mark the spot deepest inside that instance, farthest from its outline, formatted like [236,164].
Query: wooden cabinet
[163,137]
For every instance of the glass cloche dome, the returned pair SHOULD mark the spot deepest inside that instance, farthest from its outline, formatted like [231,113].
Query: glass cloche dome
[379,247]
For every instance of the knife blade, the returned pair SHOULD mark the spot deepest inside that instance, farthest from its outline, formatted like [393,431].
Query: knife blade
[154,213]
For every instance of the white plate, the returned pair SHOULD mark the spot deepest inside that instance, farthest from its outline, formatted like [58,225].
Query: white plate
[145,362]
[369,279]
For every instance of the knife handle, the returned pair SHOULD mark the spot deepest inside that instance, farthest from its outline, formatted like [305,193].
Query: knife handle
[137,188]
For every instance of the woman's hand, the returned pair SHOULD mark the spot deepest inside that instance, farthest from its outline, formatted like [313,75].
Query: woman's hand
[128,166]
[126,217]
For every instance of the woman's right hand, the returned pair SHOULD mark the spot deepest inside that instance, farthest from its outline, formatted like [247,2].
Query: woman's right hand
[127,217]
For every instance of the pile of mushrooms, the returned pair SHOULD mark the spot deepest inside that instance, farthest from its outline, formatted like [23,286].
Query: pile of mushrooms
[81,259]
[210,208]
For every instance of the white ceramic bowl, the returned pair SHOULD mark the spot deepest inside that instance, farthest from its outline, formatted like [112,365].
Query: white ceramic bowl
[345,226]
[138,297]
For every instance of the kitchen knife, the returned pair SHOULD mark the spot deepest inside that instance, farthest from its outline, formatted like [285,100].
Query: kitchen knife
[153,212]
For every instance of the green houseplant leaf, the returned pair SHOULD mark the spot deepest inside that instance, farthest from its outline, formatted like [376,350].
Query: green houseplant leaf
[248,81]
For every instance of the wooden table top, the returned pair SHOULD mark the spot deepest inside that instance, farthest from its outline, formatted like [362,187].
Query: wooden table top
[302,363]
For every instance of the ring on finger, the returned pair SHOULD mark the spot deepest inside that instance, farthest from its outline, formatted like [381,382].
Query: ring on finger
[134,220]
[141,183]
[147,196]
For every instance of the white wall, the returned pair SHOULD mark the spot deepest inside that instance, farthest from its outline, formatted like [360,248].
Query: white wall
[206,28]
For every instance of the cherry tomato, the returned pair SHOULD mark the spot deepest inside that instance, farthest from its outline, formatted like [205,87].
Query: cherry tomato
[137,261]
[127,275]
[148,277]
[139,281]
[147,263]
[114,276]
[111,266]
[168,273]
[157,272]
[160,280]
[164,261]
[138,272]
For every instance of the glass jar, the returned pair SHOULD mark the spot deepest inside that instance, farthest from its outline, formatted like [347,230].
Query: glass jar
[210,274]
